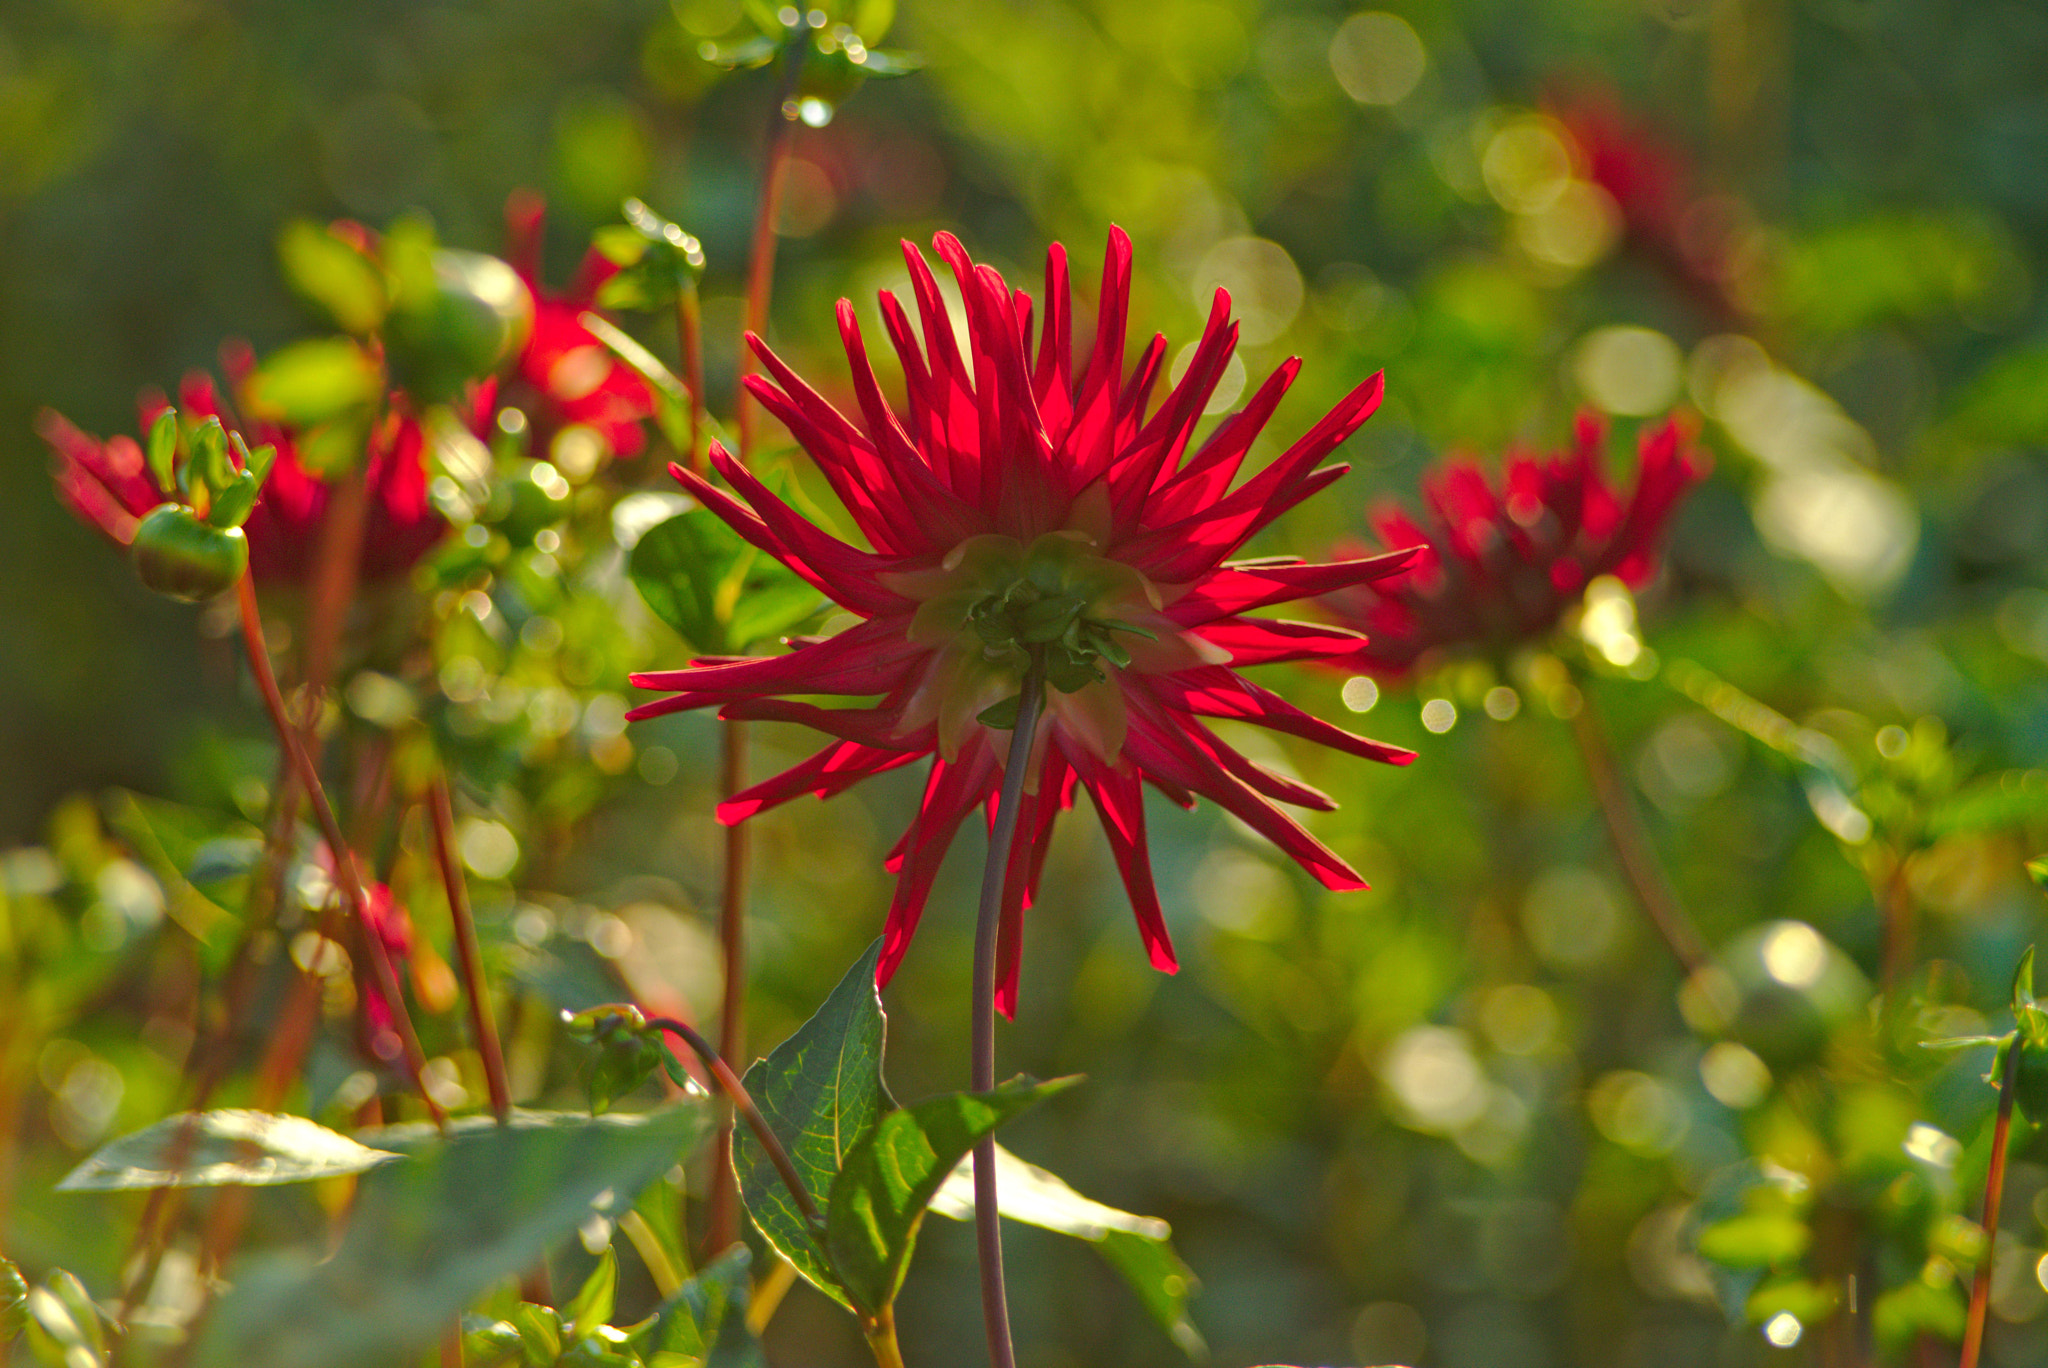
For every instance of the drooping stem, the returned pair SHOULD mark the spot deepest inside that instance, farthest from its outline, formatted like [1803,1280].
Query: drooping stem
[345,872]
[1632,849]
[988,1234]
[1994,1194]
[729,1084]
[732,1015]
[469,958]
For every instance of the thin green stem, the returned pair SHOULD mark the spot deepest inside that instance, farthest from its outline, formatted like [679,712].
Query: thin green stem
[469,957]
[1632,848]
[1994,1194]
[988,1234]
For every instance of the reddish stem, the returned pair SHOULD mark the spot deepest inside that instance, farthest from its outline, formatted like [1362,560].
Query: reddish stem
[353,896]
[690,345]
[1994,1193]
[483,1025]
[736,1093]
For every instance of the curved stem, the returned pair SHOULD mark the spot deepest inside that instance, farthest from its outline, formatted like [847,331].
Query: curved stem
[729,1083]
[1632,847]
[345,873]
[468,955]
[1994,1193]
[988,1234]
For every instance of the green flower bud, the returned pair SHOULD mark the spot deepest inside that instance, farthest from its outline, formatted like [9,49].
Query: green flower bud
[178,554]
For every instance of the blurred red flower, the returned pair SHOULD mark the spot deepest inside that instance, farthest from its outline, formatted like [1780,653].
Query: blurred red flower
[1027,506]
[109,486]
[564,374]
[1500,567]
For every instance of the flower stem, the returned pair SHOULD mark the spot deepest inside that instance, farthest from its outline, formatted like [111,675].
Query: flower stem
[1994,1194]
[344,857]
[729,1084]
[474,983]
[761,258]
[988,1234]
[880,1330]
[1632,847]
[690,346]
[732,1015]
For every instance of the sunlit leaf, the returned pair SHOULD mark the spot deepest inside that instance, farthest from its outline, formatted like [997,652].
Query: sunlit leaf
[229,1148]
[332,274]
[1758,1239]
[313,382]
[592,1304]
[705,1323]
[892,1174]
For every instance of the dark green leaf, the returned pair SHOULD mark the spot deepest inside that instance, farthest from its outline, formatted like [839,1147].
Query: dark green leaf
[227,857]
[1163,1283]
[676,566]
[229,1148]
[821,1092]
[887,1180]
[428,1236]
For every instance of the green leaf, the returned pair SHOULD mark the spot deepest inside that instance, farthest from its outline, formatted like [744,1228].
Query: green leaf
[314,382]
[675,565]
[1138,1247]
[705,1323]
[592,1304]
[224,858]
[1758,1239]
[13,1301]
[887,1180]
[63,1325]
[540,1331]
[428,1236]
[1917,1307]
[2023,981]
[1163,1283]
[2037,870]
[162,451]
[229,1148]
[821,1092]
[333,275]
[671,397]
[1996,801]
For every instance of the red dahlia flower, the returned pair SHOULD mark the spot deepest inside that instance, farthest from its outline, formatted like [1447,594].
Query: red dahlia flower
[108,485]
[1026,507]
[1500,567]
[572,377]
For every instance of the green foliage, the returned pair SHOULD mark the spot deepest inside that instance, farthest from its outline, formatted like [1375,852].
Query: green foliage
[892,1172]
[223,1149]
[430,1234]
[719,593]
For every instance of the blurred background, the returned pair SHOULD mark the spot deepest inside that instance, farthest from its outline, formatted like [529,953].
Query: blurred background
[1461,1119]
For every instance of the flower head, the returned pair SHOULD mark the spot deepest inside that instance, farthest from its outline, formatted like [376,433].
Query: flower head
[108,485]
[566,374]
[1501,566]
[1031,508]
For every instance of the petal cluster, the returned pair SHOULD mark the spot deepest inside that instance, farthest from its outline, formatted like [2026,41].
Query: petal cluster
[1501,565]
[108,485]
[564,373]
[1018,450]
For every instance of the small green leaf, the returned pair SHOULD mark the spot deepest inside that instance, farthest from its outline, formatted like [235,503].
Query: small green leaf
[63,1325]
[887,1180]
[228,1148]
[1163,1283]
[488,1343]
[1001,714]
[333,275]
[1758,1239]
[705,1322]
[162,451]
[2037,870]
[312,382]
[233,503]
[675,566]
[2023,981]
[592,1304]
[540,1331]
[1918,1307]
[2001,800]
[821,1092]
[13,1301]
